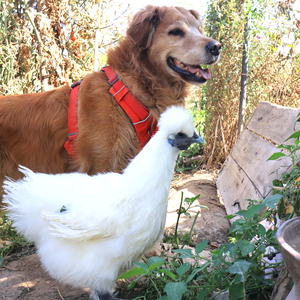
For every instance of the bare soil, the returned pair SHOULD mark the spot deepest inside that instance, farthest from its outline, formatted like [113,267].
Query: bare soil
[25,279]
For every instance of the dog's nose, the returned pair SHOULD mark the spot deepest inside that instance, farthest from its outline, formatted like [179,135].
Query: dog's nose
[214,48]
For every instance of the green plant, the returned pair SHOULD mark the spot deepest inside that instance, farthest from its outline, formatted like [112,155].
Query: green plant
[238,266]
[13,241]
[288,184]
[184,206]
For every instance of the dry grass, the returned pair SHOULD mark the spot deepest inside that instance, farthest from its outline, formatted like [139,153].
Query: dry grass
[271,77]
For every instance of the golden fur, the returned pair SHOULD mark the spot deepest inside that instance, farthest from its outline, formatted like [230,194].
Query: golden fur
[34,127]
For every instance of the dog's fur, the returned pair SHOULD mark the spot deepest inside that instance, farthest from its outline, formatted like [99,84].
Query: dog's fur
[34,127]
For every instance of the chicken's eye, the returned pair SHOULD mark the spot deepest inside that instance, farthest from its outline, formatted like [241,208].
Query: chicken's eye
[180,134]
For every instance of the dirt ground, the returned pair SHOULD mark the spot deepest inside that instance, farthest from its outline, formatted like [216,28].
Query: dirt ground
[25,279]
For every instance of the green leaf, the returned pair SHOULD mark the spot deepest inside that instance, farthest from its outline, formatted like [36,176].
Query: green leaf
[132,272]
[280,207]
[201,206]
[287,147]
[229,217]
[154,266]
[272,200]
[242,213]
[183,269]
[1,261]
[236,291]
[191,200]
[294,135]
[246,248]
[200,277]
[262,248]
[202,294]
[187,214]
[253,210]
[167,272]
[141,265]
[133,283]
[297,120]
[201,246]
[175,290]
[155,259]
[261,230]
[276,155]
[187,253]
[240,267]
[196,271]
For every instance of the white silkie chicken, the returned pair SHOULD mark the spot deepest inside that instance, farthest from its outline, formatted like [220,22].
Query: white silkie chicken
[90,229]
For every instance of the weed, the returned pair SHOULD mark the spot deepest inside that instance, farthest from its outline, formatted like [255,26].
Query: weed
[237,266]
[288,185]
[13,241]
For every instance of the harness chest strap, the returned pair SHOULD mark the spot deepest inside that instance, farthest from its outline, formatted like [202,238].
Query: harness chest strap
[72,119]
[138,114]
[124,97]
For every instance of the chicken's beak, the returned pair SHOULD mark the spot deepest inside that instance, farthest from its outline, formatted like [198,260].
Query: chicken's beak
[182,141]
[197,139]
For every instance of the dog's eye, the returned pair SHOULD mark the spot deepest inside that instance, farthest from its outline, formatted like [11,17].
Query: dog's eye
[177,32]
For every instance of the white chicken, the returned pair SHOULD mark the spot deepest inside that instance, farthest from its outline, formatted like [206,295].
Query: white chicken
[90,229]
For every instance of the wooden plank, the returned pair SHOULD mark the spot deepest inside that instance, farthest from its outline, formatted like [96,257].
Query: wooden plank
[274,122]
[234,187]
[251,153]
[246,173]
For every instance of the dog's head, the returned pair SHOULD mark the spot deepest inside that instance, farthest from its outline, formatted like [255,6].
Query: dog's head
[174,42]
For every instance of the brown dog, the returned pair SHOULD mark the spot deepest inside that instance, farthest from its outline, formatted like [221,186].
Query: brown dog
[157,59]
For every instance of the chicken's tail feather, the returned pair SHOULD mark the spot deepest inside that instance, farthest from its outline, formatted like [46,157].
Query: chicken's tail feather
[23,207]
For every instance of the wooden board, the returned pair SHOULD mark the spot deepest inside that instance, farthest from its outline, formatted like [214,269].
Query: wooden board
[235,187]
[246,173]
[251,153]
[273,122]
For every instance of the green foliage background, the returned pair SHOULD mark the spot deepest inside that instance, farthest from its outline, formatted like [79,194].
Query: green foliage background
[272,76]
[47,43]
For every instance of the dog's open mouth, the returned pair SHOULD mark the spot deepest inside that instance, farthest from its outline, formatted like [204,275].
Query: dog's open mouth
[191,73]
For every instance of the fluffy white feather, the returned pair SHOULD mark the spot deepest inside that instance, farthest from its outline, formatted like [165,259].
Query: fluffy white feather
[90,229]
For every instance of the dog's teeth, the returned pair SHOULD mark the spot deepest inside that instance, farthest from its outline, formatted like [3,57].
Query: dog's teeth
[176,60]
[182,65]
[198,74]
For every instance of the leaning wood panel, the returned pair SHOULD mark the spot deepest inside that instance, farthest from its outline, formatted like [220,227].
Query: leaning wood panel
[251,153]
[235,187]
[273,122]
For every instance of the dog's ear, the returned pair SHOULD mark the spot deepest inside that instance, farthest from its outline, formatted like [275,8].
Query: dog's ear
[143,25]
[197,16]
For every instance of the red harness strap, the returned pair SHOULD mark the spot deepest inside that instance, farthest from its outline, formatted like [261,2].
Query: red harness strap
[72,119]
[138,114]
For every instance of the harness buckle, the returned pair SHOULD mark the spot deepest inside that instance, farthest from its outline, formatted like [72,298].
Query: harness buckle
[76,83]
[112,78]
[71,136]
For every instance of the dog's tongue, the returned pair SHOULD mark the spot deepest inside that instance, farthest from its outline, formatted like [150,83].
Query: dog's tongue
[204,73]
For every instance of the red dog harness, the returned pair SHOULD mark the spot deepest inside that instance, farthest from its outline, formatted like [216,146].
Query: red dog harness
[138,114]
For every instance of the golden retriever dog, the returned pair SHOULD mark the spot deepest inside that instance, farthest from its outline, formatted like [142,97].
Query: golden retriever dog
[158,58]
